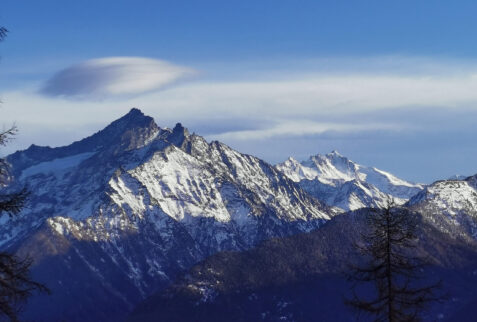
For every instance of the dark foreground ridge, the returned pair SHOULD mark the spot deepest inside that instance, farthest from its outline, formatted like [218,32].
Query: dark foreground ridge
[301,278]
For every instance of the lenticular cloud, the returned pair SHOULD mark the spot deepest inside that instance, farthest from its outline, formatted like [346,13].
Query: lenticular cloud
[114,76]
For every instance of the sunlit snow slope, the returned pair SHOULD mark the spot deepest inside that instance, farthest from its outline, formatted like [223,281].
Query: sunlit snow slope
[451,205]
[341,182]
[114,217]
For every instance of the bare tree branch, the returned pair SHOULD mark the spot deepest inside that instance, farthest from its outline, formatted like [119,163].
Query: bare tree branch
[16,284]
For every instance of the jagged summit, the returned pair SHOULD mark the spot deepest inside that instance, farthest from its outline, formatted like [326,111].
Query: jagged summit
[131,130]
[135,111]
[132,121]
[335,152]
[178,127]
[341,182]
[133,118]
[133,205]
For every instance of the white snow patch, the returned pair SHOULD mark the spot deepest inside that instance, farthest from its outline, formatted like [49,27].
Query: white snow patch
[58,227]
[56,166]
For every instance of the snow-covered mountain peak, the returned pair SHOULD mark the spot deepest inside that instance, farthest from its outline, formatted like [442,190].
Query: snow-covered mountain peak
[133,128]
[333,166]
[128,208]
[294,170]
[292,160]
[325,177]
[451,205]
[132,131]
[149,202]
[449,196]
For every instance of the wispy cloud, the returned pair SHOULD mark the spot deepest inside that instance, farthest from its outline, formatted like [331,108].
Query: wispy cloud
[369,109]
[315,95]
[291,102]
[114,76]
[301,128]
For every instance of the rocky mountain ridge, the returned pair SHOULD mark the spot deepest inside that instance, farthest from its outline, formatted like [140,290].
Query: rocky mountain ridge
[119,215]
[451,205]
[122,212]
[343,183]
[303,278]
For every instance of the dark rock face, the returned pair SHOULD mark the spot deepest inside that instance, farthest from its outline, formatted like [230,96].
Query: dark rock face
[128,132]
[116,216]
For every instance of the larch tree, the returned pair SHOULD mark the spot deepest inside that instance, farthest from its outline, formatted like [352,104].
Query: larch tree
[392,286]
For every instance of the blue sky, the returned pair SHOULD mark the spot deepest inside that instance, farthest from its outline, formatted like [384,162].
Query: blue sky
[389,84]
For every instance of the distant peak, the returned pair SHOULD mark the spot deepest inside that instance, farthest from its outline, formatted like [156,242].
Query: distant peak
[179,133]
[333,156]
[178,128]
[292,160]
[131,130]
[35,147]
[135,111]
[134,116]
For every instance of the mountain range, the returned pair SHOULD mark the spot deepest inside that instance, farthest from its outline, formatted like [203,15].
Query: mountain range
[304,278]
[120,219]
[340,182]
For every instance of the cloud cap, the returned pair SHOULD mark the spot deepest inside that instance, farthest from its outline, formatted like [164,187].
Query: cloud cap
[111,77]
